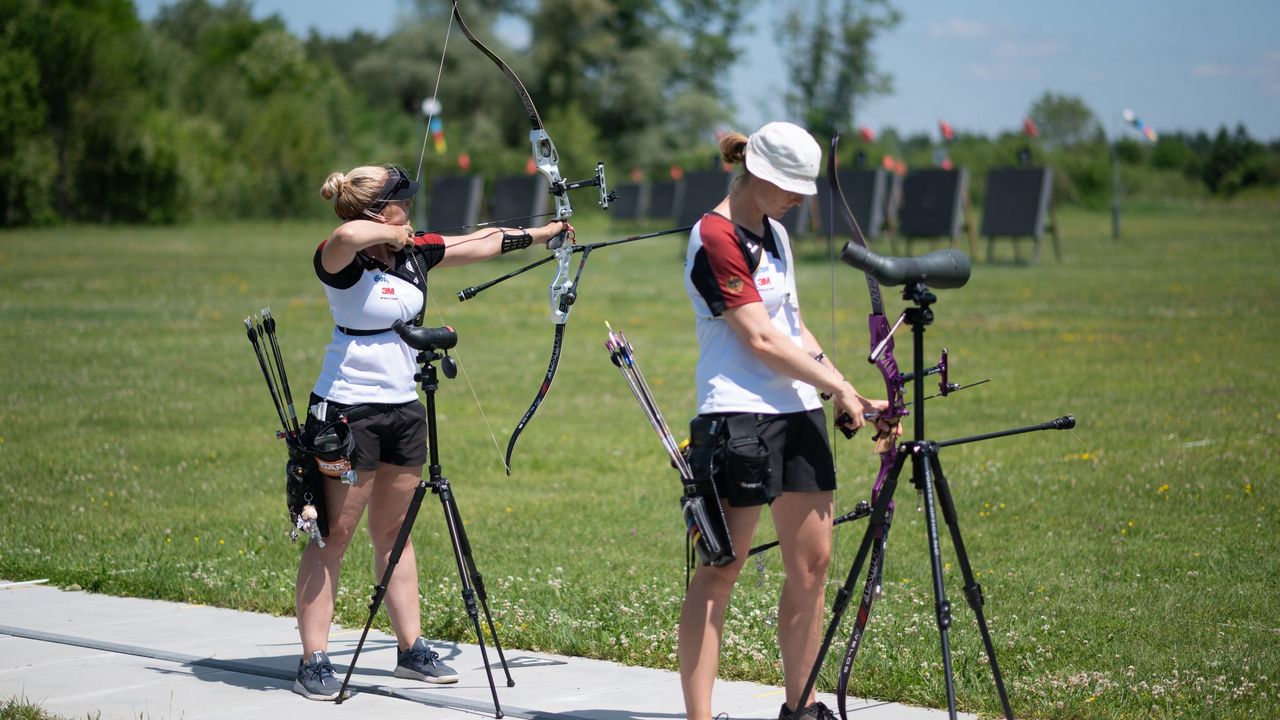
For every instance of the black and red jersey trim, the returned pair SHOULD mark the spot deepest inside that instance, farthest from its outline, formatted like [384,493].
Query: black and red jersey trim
[429,249]
[724,267]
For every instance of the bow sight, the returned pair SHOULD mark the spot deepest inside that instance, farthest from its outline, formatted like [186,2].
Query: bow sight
[606,195]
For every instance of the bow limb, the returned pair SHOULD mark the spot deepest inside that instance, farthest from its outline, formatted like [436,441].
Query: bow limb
[545,156]
[562,303]
[563,294]
[562,297]
[537,399]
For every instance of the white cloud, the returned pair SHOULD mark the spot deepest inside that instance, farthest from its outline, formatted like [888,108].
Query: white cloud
[1005,71]
[1268,66]
[959,27]
[1212,70]
[992,71]
[1223,70]
[1029,50]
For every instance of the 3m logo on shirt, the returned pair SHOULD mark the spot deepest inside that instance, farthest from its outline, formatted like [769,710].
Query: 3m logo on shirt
[388,290]
[764,281]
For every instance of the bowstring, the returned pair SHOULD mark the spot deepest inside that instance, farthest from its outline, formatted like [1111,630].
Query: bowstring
[426,136]
[435,95]
[467,378]
[831,353]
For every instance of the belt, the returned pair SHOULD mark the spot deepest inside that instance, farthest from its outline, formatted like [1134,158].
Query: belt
[360,411]
[361,333]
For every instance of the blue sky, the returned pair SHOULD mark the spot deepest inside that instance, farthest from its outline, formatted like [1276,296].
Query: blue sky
[980,64]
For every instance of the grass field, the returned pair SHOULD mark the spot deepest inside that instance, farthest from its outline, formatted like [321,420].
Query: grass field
[1130,566]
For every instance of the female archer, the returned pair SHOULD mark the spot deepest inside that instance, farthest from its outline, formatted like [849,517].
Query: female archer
[374,271]
[759,375]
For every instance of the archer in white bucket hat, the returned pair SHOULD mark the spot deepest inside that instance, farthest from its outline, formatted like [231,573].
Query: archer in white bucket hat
[760,371]
[785,155]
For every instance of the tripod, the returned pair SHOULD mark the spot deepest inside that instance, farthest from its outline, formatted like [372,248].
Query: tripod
[928,478]
[429,342]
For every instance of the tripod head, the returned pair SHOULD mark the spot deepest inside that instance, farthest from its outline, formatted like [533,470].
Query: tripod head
[429,342]
[426,339]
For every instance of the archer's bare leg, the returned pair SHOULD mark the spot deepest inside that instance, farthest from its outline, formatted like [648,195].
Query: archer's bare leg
[387,508]
[803,521]
[318,570]
[702,616]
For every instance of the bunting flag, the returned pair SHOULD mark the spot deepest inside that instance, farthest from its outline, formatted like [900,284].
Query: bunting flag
[437,135]
[866,134]
[947,133]
[1029,128]
[1136,123]
[677,172]
[464,161]
[894,165]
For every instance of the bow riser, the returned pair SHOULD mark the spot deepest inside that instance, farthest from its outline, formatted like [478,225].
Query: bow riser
[882,335]
[547,161]
[561,285]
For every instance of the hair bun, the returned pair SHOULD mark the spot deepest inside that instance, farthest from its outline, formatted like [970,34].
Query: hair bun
[733,147]
[333,185]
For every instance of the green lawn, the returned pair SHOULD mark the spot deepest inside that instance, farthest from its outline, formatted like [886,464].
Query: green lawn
[1129,566]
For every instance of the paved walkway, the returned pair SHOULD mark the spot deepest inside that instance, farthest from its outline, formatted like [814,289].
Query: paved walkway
[77,653]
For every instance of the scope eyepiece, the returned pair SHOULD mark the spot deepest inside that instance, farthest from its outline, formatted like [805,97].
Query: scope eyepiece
[424,338]
[940,270]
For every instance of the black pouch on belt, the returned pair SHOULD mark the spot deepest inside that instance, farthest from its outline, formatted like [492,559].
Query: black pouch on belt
[745,479]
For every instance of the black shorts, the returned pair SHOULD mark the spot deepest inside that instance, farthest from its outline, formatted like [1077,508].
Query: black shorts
[393,434]
[799,458]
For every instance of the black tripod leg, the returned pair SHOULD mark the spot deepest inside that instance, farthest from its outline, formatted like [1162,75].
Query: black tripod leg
[876,527]
[478,580]
[457,535]
[922,464]
[972,590]
[837,611]
[380,590]
[875,575]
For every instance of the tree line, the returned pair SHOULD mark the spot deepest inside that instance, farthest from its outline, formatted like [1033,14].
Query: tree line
[207,112]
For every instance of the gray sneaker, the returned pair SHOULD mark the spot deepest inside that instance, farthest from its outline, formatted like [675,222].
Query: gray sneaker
[420,662]
[316,680]
[816,711]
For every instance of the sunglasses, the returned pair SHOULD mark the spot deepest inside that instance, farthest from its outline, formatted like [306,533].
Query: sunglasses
[397,180]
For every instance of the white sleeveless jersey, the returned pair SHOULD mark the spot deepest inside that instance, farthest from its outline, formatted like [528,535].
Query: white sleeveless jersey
[726,267]
[364,365]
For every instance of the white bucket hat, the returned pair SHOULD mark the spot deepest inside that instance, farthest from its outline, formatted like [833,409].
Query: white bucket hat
[785,155]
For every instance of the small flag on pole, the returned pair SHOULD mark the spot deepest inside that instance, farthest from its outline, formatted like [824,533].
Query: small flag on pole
[947,133]
[1136,123]
[437,135]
